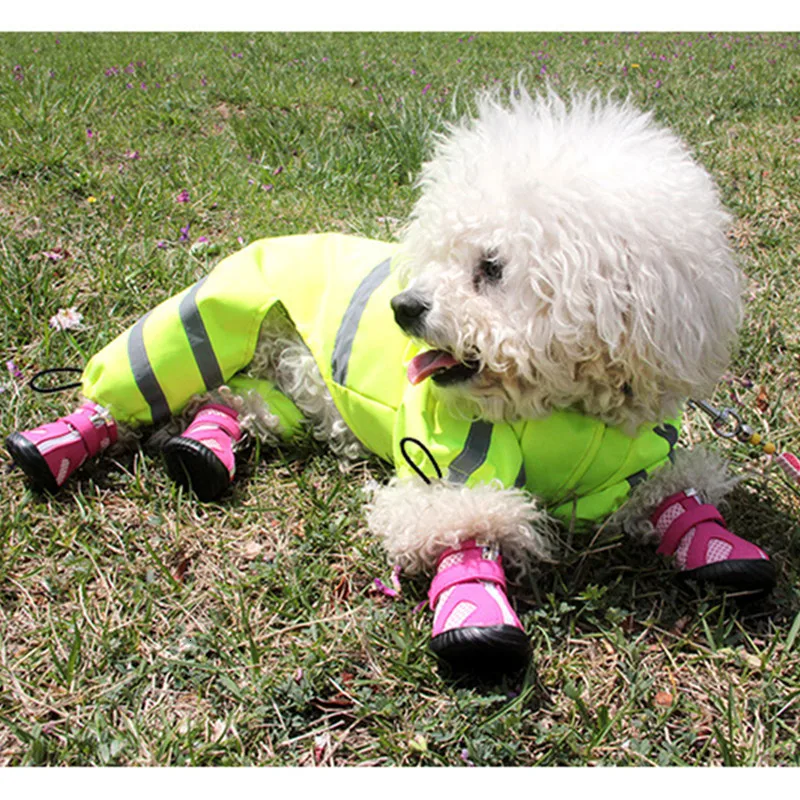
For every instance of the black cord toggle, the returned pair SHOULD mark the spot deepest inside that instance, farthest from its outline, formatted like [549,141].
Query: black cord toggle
[58,388]
[405,440]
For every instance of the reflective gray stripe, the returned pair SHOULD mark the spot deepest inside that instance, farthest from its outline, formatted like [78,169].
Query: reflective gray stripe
[345,336]
[195,329]
[476,448]
[519,483]
[143,373]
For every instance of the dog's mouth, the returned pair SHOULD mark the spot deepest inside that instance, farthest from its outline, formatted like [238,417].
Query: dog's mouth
[442,366]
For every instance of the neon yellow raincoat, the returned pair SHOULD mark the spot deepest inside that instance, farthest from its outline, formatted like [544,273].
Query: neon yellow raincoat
[337,290]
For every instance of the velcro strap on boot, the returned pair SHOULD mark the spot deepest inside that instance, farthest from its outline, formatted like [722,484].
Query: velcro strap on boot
[221,416]
[684,523]
[92,436]
[466,572]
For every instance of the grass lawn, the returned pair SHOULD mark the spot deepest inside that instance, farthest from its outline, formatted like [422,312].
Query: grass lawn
[140,627]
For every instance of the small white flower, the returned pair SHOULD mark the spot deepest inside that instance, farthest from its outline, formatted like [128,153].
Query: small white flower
[67,319]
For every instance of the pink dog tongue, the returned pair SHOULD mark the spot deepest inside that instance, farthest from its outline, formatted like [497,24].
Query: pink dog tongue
[425,364]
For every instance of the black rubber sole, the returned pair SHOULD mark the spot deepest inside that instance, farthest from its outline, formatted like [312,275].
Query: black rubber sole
[195,467]
[31,462]
[745,575]
[493,650]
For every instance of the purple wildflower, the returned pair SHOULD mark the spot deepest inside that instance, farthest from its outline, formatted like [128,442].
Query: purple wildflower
[184,237]
[13,369]
[390,591]
[425,90]
[161,245]
[132,155]
[267,187]
[277,170]
[89,133]
[182,197]
[384,589]
[658,84]
[201,240]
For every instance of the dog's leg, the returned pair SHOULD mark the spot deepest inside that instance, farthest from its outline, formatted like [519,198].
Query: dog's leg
[278,396]
[464,536]
[203,457]
[50,453]
[676,508]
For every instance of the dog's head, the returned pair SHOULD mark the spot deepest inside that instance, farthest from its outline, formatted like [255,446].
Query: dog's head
[568,255]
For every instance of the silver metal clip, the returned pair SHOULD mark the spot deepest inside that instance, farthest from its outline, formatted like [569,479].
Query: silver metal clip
[720,418]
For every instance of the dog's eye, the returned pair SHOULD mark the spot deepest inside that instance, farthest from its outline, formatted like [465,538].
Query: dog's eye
[489,270]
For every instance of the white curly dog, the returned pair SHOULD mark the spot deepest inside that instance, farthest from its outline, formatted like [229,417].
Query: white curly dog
[522,357]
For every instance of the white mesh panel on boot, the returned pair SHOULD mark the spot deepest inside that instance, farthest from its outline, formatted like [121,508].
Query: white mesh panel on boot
[668,517]
[459,615]
[451,561]
[717,551]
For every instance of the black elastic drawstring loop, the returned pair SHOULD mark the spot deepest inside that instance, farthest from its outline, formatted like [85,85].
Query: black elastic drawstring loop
[53,389]
[413,466]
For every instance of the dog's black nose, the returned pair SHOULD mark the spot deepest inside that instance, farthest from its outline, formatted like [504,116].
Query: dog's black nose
[409,309]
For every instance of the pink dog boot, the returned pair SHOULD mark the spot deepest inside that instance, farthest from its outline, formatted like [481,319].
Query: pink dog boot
[475,629]
[49,454]
[202,458]
[705,550]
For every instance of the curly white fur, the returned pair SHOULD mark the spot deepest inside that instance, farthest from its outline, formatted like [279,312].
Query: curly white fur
[418,522]
[698,469]
[283,358]
[619,294]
